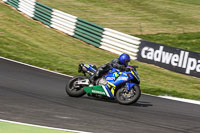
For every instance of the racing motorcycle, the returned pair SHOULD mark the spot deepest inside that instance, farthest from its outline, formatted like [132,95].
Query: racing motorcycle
[122,86]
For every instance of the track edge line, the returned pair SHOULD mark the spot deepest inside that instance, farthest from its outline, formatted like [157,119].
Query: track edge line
[46,127]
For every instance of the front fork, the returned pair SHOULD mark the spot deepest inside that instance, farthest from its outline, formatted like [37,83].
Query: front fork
[130,85]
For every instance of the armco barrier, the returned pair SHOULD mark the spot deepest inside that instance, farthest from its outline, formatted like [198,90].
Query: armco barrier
[172,58]
[27,6]
[43,13]
[118,42]
[88,31]
[14,3]
[63,22]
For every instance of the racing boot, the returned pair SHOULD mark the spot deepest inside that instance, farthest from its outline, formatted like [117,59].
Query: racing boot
[92,80]
[96,75]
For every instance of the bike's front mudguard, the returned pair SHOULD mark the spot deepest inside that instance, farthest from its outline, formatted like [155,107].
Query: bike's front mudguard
[130,85]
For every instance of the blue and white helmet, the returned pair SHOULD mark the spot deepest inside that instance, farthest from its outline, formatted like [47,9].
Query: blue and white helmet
[124,59]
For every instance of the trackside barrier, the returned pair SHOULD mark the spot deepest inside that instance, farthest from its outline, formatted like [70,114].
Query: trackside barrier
[91,33]
[63,22]
[14,3]
[120,42]
[27,7]
[43,13]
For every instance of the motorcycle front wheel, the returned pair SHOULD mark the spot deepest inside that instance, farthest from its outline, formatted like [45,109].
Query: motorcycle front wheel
[73,89]
[124,97]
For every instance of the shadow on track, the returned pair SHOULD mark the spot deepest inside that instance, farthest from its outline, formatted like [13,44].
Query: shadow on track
[142,104]
[137,104]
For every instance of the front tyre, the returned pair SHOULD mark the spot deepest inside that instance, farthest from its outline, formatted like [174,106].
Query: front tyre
[73,89]
[124,97]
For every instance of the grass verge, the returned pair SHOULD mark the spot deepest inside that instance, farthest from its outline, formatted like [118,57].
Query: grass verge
[187,41]
[6,127]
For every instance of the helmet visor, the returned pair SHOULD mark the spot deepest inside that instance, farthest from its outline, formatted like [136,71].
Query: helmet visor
[126,62]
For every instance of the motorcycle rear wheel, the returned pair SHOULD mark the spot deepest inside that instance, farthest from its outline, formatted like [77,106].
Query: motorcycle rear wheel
[73,90]
[129,97]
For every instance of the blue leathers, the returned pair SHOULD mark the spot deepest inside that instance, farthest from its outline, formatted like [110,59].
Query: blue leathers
[118,63]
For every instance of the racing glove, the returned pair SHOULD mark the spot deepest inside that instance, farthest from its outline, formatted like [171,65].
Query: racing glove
[127,69]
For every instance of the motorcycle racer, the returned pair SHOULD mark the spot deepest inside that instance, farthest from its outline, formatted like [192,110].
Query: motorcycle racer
[114,80]
[120,63]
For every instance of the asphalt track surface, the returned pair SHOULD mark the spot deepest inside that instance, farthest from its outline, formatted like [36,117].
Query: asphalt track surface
[38,97]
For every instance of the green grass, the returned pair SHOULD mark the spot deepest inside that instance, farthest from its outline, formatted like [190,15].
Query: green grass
[187,41]
[136,16]
[28,41]
[6,127]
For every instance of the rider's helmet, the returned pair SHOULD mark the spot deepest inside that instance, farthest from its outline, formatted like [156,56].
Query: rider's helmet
[124,59]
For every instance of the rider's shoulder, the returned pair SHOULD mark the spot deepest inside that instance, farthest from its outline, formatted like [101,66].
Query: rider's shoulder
[115,60]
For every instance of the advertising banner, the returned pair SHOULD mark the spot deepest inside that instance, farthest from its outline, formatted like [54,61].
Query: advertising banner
[174,59]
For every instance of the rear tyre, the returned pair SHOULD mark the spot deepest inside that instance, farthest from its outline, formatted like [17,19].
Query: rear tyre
[74,90]
[124,97]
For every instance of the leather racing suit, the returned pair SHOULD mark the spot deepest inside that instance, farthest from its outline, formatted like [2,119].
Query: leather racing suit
[115,63]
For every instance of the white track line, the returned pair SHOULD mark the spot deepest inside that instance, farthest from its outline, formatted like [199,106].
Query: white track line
[165,97]
[181,99]
[34,66]
[26,124]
